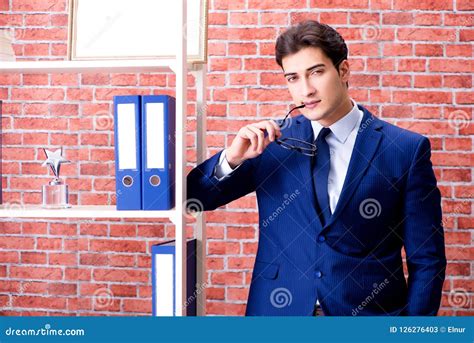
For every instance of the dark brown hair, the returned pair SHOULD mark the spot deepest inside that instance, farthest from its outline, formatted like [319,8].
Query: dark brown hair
[311,33]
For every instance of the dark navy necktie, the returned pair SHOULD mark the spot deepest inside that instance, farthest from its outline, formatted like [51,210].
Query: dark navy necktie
[321,174]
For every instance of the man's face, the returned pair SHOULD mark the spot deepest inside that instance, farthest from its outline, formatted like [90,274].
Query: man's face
[313,79]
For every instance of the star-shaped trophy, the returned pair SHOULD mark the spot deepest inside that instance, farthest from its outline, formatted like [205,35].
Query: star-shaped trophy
[55,194]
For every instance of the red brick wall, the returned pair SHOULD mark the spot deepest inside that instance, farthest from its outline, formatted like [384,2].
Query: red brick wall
[411,65]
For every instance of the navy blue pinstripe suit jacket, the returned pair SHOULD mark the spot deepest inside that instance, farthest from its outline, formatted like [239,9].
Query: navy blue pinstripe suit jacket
[353,264]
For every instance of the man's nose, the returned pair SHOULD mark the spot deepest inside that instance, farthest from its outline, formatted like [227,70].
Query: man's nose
[307,89]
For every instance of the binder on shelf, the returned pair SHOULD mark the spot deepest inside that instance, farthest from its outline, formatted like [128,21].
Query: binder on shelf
[158,152]
[127,130]
[163,264]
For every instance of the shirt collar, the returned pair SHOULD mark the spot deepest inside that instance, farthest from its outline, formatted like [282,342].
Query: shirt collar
[343,127]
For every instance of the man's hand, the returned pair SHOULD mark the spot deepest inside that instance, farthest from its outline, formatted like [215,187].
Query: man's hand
[251,141]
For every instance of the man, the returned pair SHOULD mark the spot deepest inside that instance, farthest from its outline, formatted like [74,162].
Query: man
[339,194]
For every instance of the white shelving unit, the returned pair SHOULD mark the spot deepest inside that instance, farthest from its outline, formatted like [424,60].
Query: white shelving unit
[180,67]
[90,211]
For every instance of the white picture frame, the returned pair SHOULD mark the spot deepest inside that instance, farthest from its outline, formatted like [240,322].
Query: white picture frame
[125,29]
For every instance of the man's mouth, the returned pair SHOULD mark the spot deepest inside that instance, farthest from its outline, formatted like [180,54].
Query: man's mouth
[311,104]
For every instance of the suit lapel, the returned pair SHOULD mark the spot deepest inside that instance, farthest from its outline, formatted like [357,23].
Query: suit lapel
[365,146]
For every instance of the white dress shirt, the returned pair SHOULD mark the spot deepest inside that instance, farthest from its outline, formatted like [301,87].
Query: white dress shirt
[341,142]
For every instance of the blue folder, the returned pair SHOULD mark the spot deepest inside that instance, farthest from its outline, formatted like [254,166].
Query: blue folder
[163,264]
[158,152]
[127,152]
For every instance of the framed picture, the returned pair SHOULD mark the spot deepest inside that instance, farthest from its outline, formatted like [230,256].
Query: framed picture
[134,29]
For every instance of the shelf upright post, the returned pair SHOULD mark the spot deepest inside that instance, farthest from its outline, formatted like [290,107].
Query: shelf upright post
[181,102]
[201,148]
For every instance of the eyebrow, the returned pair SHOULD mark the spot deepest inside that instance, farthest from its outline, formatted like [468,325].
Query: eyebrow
[309,69]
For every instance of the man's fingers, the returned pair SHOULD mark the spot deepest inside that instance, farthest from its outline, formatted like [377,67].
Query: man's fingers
[270,126]
[271,131]
[277,127]
[260,136]
[252,136]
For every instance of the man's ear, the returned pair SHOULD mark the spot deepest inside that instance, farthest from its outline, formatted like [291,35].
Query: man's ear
[344,71]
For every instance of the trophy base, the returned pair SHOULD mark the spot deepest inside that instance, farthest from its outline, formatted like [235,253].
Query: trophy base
[56,196]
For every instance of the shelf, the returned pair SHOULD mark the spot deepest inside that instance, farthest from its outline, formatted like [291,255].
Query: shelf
[91,211]
[106,66]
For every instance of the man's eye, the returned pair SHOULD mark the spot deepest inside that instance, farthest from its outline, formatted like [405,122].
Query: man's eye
[291,79]
[317,71]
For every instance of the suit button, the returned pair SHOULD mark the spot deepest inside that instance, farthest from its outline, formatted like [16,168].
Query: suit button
[321,238]
[318,274]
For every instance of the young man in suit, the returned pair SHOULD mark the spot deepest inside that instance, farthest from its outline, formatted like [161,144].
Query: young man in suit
[339,193]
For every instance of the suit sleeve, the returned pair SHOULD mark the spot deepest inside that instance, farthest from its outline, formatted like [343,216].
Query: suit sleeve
[423,235]
[205,188]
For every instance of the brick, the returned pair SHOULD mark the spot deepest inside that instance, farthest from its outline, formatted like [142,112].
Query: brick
[464,192]
[223,64]
[427,81]
[462,144]
[428,97]
[39,5]
[426,34]
[340,4]
[464,5]
[456,175]
[428,19]
[241,49]
[39,302]
[227,278]
[223,248]
[117,245]
[18,243]
[238,294]
[422,5]
[450,65]
[42,94]
[214,263]
[41,273]
[457,81]
[122,275]
[397,18]
[272,18]
[137,305]
[238,18]
[452,159]
[222,308]
[122,260]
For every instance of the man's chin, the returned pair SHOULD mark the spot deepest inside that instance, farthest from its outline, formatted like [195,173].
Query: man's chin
[314,115]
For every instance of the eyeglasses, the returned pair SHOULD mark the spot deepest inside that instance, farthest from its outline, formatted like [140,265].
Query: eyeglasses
[299,145]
